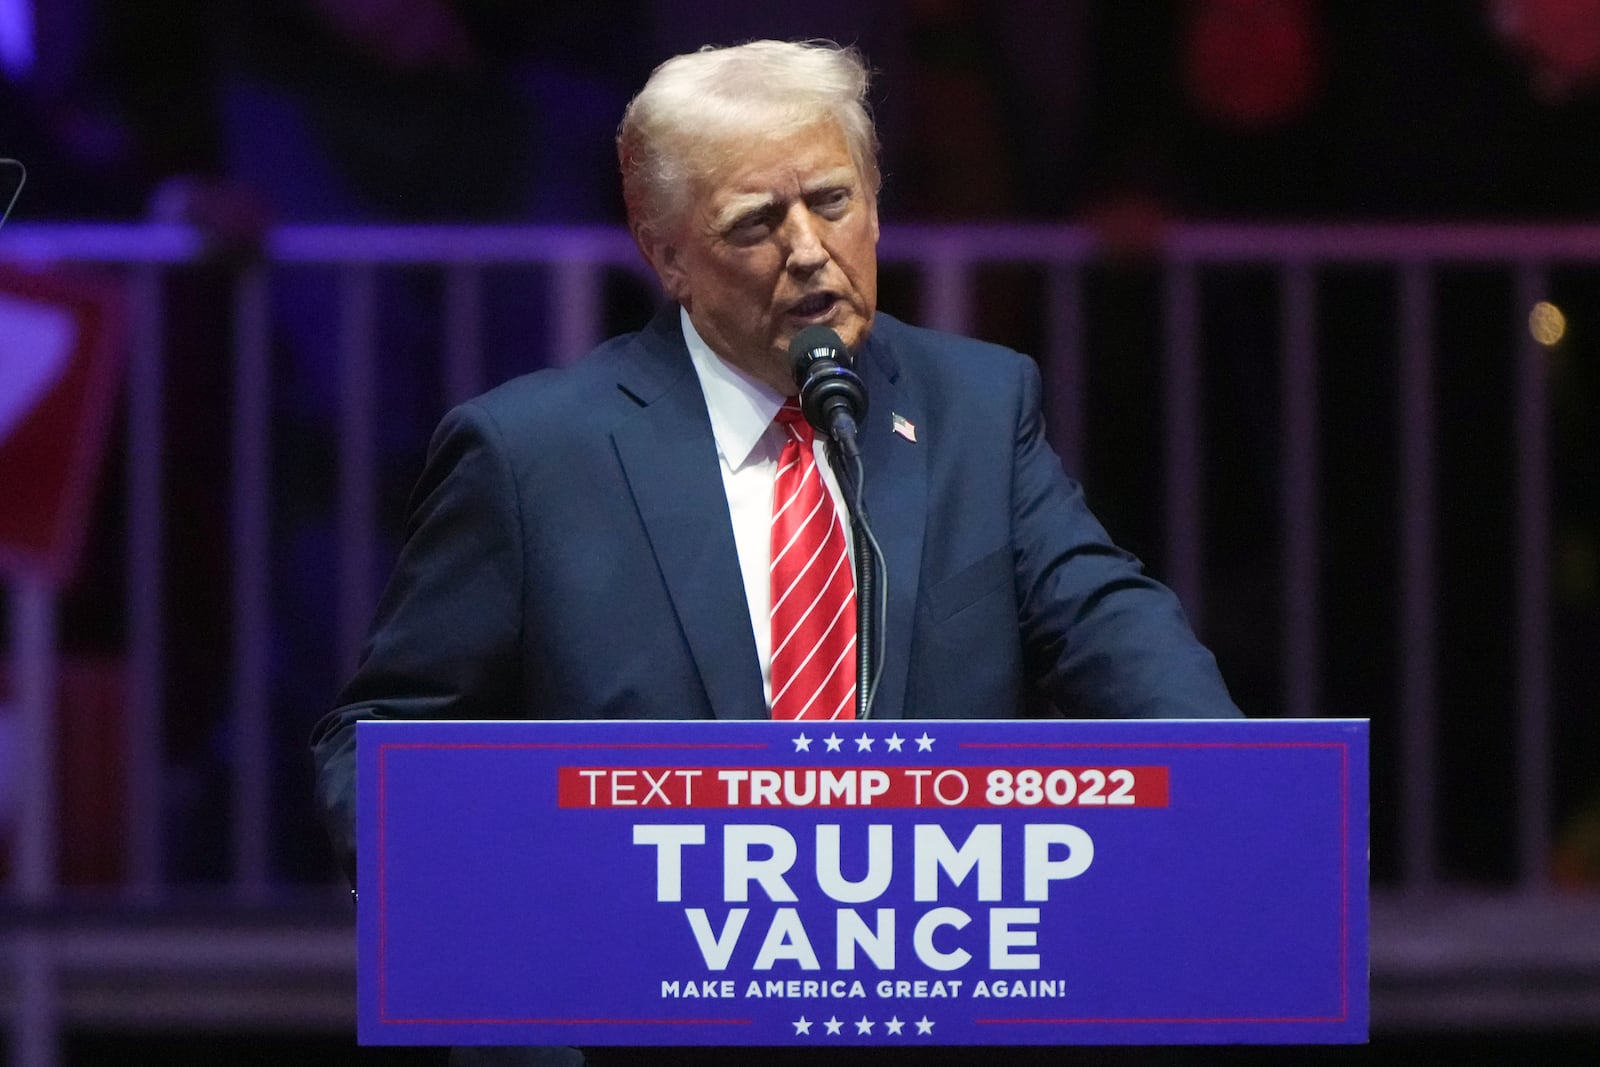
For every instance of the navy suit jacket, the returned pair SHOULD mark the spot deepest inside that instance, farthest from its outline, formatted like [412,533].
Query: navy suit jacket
[569,554]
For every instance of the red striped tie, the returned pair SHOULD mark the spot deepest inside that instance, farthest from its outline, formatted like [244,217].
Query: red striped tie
[813,589]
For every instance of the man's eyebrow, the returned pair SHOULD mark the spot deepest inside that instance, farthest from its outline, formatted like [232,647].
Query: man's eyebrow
[834,179]
[741,205]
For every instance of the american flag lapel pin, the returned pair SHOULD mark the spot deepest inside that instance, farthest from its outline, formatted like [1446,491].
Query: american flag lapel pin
[904,427]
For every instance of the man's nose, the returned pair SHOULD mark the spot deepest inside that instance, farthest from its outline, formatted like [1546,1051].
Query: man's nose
[806,252]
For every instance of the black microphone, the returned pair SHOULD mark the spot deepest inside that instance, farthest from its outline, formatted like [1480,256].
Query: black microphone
[834,400]
[831,393]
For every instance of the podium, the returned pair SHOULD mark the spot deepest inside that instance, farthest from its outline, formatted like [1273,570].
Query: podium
[898,883]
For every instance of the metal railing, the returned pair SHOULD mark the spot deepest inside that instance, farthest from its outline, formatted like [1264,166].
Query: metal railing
[945,263]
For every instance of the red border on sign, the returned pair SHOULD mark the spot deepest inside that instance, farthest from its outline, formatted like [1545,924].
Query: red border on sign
[1344,887]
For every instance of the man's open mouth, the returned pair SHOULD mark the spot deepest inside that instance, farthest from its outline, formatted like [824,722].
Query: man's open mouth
[812,305]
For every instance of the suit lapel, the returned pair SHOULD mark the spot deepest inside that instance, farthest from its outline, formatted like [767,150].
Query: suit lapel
[896,496]
[670,460]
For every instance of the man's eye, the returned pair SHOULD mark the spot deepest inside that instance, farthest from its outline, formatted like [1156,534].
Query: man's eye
[749,228]
[833,200]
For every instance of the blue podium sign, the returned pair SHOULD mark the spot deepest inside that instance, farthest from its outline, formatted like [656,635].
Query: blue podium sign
[905,883]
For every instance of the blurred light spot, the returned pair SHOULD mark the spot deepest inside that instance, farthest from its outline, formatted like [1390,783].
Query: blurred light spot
[16,37]
[1547,324]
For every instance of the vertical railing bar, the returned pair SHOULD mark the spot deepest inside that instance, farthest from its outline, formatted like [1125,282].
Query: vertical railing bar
[1065,404]
[463,332]
[1532,588]
[1302,661]
[35,663]
[36,1015]
[357,463]
[575,312]
[947,299]
[251,749]
[1418,623]
[1182,458]
[143,729]
[35,666]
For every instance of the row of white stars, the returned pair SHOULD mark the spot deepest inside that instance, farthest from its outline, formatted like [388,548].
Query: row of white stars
[864,1025]
[893,742]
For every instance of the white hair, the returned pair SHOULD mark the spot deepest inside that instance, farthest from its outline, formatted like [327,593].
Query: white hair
[698,109]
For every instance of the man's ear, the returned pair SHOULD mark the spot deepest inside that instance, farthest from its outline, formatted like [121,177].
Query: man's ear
[665,259]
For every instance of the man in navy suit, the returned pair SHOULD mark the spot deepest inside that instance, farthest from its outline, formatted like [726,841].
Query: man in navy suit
[591,542]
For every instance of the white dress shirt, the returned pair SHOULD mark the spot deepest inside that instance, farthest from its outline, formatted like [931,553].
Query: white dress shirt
[748,444]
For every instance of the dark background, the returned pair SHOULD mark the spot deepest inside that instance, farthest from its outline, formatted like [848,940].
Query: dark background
[1128,117]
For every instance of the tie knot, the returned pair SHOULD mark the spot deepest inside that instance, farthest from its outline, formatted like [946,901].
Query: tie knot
[791,418]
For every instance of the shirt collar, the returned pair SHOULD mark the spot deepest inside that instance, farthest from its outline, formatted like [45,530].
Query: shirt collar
[740,407]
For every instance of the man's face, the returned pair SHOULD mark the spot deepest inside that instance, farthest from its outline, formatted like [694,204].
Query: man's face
[783,238]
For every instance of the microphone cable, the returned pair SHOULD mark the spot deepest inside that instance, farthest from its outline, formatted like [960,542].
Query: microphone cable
[872,591]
